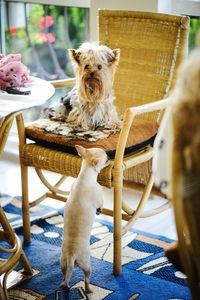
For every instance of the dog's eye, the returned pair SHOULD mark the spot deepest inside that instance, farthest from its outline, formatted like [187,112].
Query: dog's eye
[87,67]
[99,67]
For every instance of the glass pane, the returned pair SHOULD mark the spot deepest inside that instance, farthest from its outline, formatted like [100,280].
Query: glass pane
[42,34]
[194,37]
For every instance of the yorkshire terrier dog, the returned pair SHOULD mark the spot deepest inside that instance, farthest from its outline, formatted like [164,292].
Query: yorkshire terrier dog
[89,105]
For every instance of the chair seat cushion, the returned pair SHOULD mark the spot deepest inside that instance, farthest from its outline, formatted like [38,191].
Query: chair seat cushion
[142,133]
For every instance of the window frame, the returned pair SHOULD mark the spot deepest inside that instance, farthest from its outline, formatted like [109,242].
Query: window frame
[72,3]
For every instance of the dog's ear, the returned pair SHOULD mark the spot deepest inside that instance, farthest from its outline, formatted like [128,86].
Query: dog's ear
[115,57]
[81,151]
[74,55]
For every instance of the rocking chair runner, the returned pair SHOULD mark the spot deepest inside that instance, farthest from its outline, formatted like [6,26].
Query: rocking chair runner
[152,47]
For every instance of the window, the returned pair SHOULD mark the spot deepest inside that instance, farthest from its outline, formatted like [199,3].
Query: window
[192,9]
[42,33]
[194,37]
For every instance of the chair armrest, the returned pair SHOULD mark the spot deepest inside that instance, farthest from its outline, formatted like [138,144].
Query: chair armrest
[129,115]
[149,107]
[64,82]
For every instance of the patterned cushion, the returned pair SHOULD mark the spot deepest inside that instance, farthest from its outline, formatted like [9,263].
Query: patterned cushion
[142,133]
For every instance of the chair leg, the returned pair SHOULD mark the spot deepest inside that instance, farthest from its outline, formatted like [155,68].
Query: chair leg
[6,297]
[25,205]
[3,286]
[25,263]
[118,232]
[2,295]
[117,239]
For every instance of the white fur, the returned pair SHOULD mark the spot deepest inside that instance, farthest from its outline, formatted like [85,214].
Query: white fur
[86,115]
[85,198]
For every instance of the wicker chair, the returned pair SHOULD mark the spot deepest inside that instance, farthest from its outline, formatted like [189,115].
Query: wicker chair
[14,253]
[152,46]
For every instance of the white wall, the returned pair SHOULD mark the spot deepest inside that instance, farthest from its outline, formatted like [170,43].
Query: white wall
[137,5]
[188,7]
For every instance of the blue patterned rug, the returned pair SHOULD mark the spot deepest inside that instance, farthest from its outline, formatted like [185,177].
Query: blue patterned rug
[12,208]
[146,272]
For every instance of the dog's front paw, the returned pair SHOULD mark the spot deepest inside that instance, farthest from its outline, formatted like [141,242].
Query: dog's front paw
[115,126]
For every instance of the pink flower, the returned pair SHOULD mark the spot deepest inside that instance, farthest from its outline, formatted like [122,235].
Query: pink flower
[43,37]
[46,21]
[12,30]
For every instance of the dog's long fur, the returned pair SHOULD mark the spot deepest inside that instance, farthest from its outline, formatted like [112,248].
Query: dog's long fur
[85,198]
[90,104]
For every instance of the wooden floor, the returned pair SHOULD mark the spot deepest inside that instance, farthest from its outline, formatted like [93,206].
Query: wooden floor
[162,224]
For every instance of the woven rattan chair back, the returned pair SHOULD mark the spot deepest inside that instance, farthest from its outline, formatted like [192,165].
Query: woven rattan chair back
[151,49]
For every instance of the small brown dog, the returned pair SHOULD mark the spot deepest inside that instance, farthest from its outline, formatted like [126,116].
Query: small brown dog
[84,199]
[90,104]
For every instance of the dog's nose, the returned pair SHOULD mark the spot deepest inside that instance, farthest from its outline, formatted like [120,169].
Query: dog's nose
[92,74]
